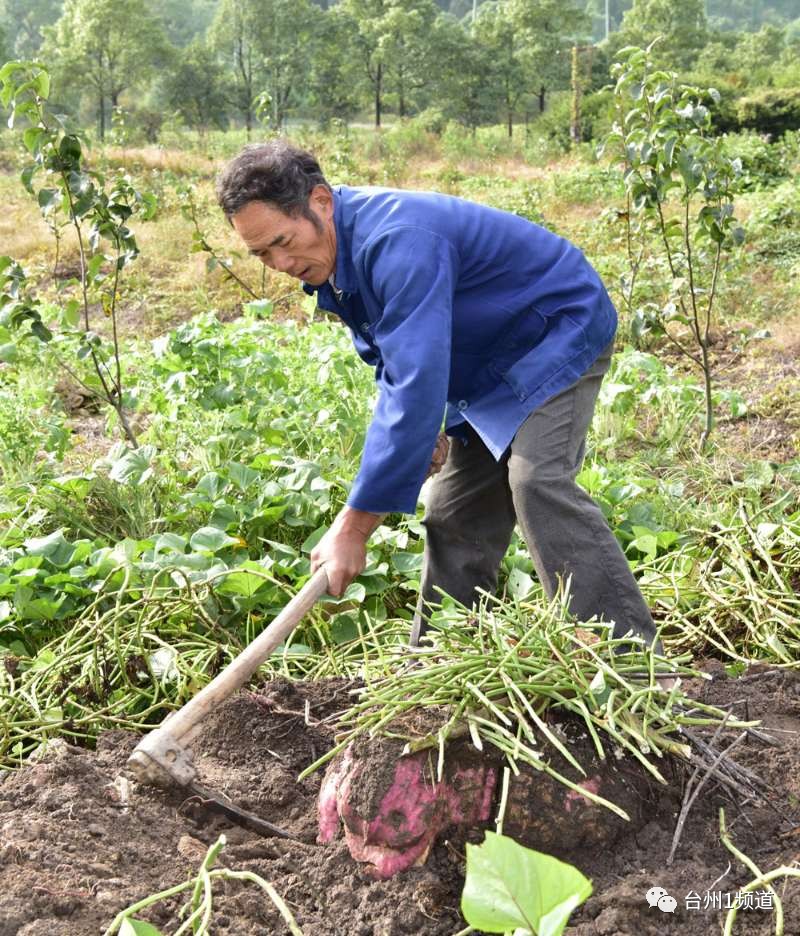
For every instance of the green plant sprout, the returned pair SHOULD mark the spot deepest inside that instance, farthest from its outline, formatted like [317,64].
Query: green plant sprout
[198,911]
[97,213]
[518,891]
[669,155]
[200,243]
[760,880]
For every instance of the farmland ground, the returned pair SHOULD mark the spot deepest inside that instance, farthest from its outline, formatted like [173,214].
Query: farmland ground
[73,854]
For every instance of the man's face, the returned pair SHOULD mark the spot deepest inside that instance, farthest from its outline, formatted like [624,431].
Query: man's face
[293,245]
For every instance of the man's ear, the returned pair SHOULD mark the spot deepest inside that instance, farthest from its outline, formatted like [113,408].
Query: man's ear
[321,200]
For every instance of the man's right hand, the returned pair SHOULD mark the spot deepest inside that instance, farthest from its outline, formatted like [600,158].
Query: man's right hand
[343,549]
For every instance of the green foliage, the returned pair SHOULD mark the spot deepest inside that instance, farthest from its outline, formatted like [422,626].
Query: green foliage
[762,163]
[195,88]
[25,23]
[663,137]
[527,44]
[772,112]
[680,26]
[93,48]
[97,212]
[336,82]
[513,889]
[30,430]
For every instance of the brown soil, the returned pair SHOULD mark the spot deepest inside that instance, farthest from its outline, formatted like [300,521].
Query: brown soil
[73,852]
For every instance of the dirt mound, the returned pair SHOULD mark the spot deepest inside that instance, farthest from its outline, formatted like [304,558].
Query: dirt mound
[76,846]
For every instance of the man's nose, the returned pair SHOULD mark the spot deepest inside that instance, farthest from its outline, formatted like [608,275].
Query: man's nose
[281,261]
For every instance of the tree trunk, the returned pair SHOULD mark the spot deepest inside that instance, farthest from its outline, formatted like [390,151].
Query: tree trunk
[575,117]
[102,116]
[542,92]
[378,93]
[510,123]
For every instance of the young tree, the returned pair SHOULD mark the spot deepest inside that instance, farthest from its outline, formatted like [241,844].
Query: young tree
[266,44]
[390,39]
[95,46]
[681,187]
[499,36]
[409,48]
[461,82]
[550,29]
[528,42]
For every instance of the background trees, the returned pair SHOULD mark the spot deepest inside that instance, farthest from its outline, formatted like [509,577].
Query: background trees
[210,62]
[93,45]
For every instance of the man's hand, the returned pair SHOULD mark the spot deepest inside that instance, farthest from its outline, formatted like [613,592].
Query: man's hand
[439,456]
[343,549]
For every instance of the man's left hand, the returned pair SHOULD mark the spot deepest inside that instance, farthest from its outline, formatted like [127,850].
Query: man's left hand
[439,456]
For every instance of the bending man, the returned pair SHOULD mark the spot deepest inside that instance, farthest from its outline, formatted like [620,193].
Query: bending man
[471,317]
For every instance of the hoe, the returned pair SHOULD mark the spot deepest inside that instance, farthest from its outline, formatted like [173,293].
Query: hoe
[163,757]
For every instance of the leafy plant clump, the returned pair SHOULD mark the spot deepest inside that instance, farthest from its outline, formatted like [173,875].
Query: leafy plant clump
[680,190]
[72,195]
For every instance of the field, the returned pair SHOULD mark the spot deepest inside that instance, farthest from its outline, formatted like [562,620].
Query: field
[130,576]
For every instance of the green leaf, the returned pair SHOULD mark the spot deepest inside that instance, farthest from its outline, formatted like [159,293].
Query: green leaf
[260,308]
[70,148]
[41,331]
[211,539]
[242,583]
[343,629]
[510,887]
[170,543]
[71,314]
[406,562]
[31,138]
[54,547]
[134,467]
[241,475]
[133,927]
[313,538]
[519,584]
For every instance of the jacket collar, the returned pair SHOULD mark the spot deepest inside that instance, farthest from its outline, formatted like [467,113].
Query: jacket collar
[345,272]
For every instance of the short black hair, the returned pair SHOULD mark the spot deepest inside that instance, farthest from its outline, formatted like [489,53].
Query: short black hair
[277,172]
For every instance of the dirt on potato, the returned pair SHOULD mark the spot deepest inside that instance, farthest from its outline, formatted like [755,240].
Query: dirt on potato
[76,846]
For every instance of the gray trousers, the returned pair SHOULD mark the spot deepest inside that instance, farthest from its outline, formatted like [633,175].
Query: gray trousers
[475,501]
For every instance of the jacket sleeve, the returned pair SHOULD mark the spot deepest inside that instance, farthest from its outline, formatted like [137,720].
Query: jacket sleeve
[411,274]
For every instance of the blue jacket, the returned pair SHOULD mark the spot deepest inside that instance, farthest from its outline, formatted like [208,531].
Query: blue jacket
[466,313]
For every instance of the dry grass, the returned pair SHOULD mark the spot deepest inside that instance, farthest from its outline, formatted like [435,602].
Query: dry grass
[23,233]
[146,158]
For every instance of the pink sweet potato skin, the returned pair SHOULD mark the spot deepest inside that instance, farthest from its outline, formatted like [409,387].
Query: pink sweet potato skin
[392,808]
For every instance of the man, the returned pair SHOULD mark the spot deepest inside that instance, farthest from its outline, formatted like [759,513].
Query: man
[472,316]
